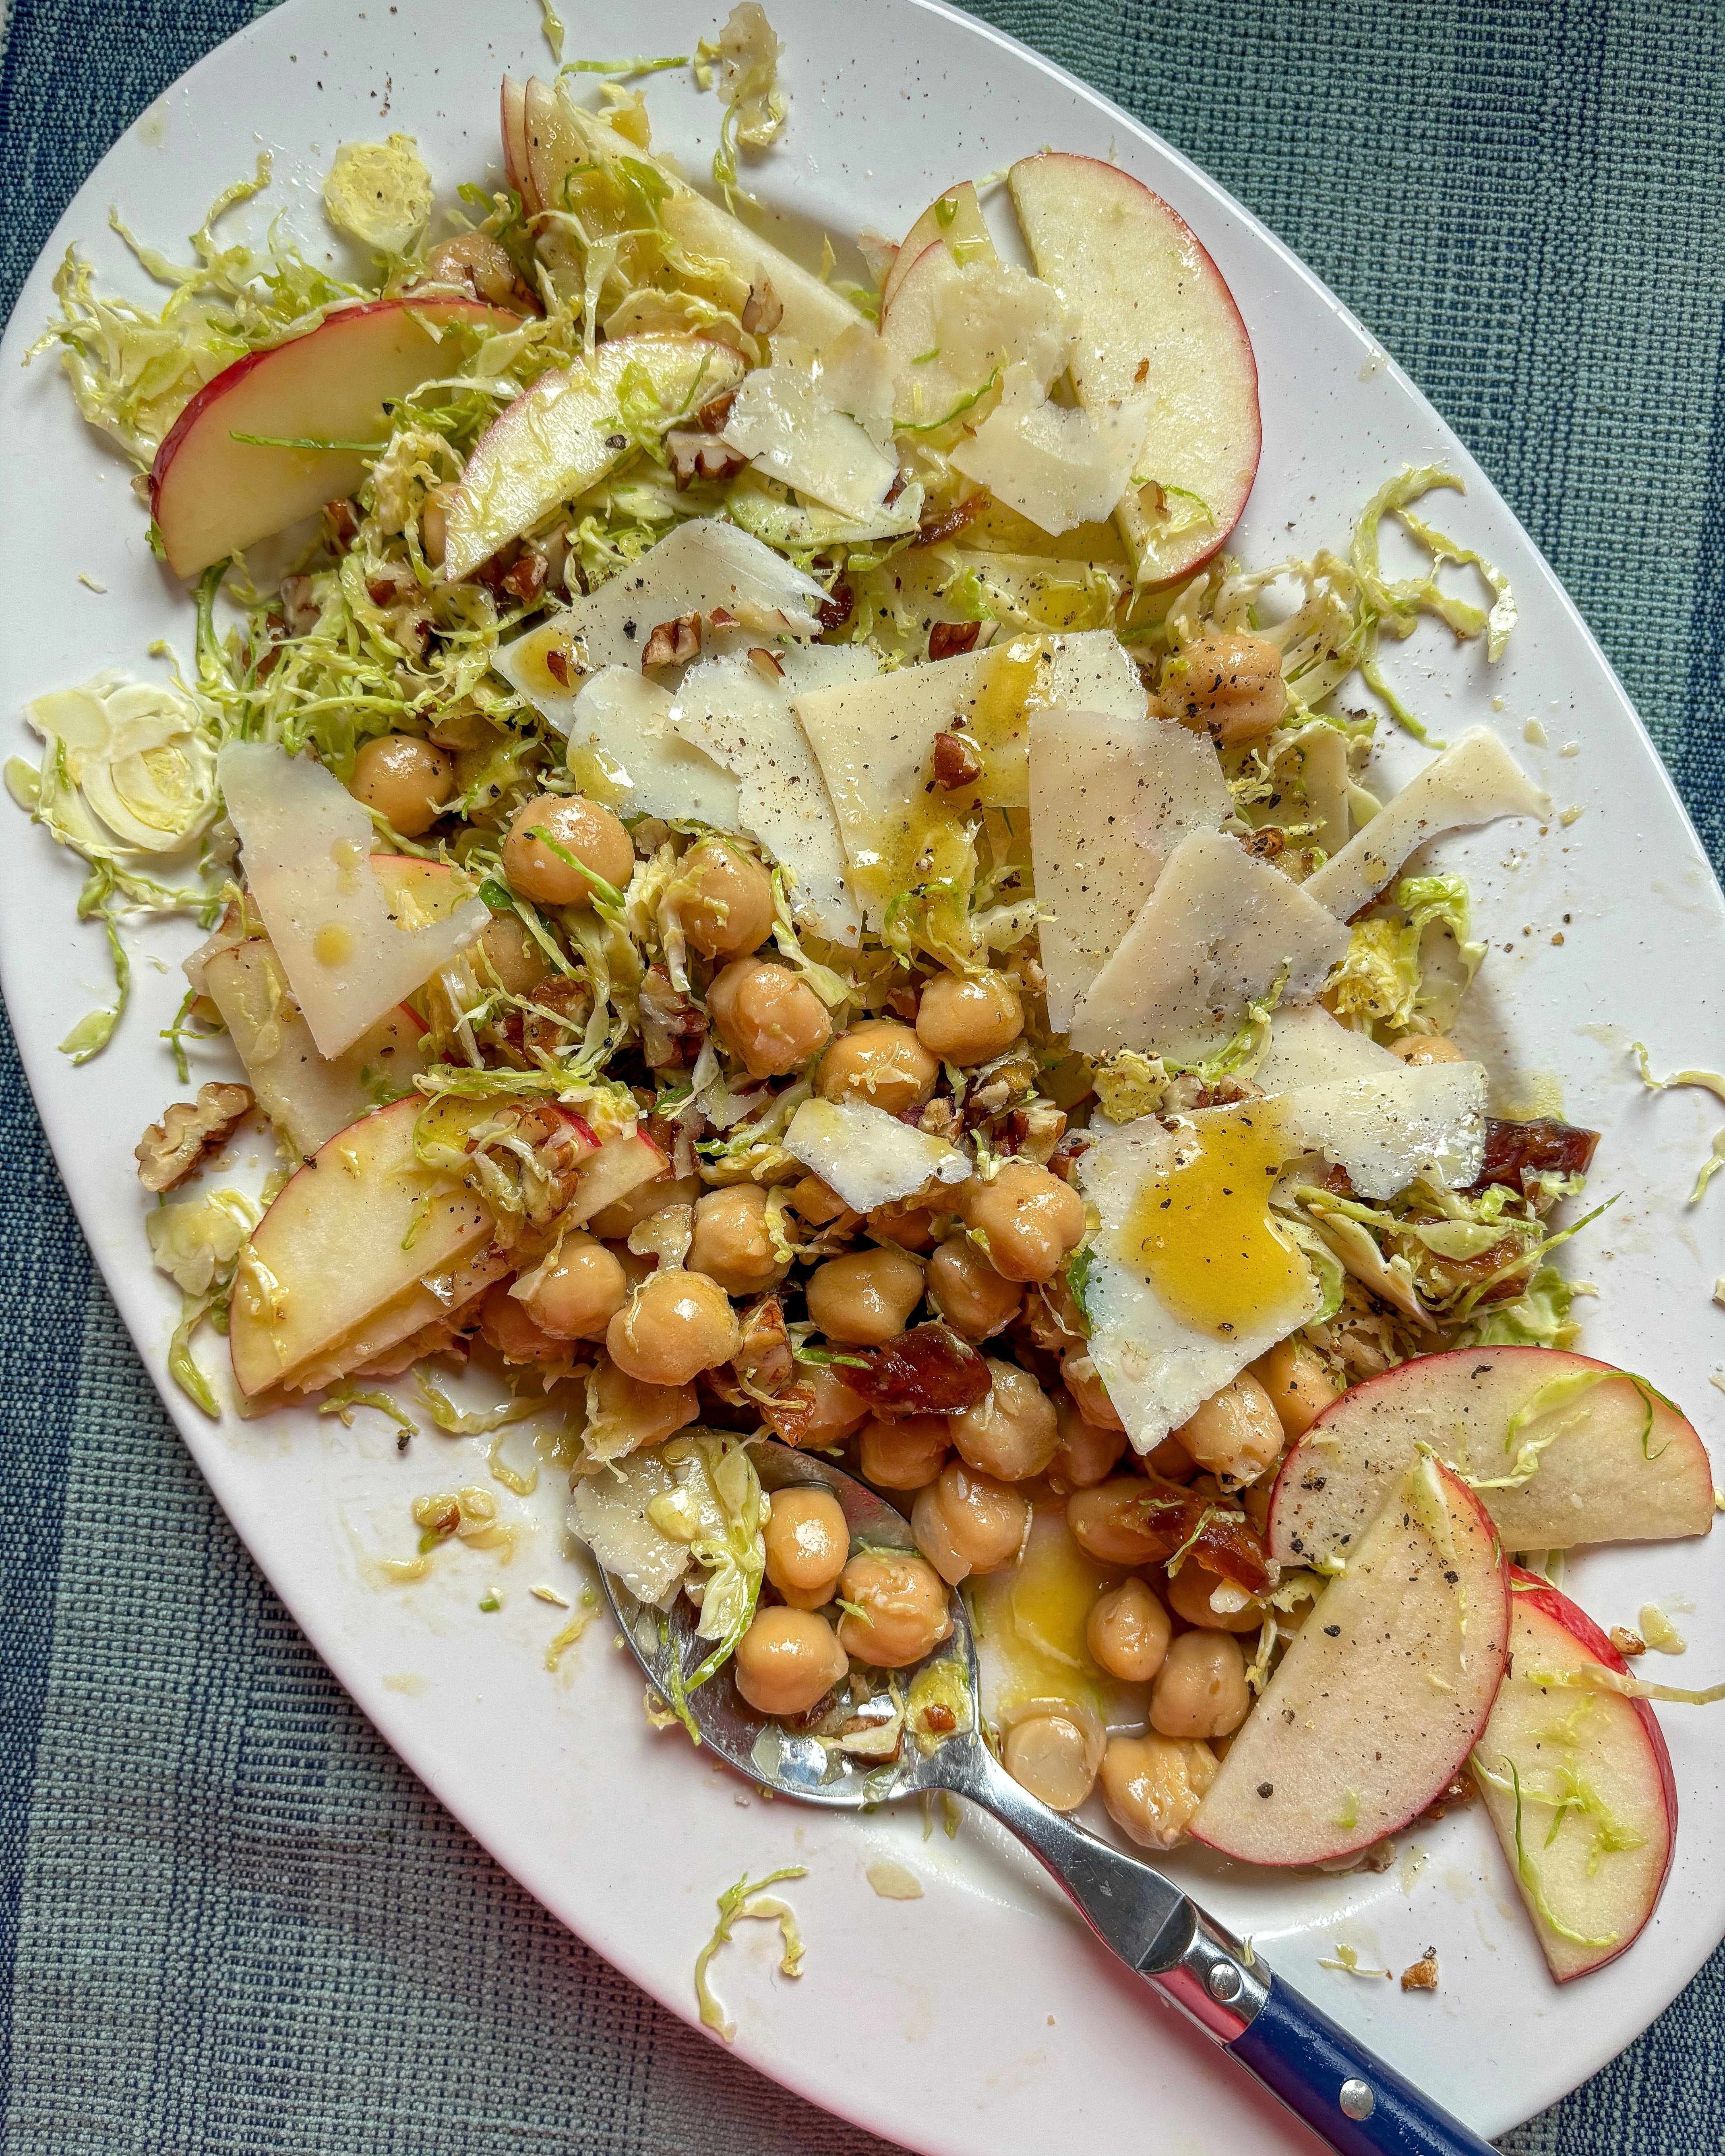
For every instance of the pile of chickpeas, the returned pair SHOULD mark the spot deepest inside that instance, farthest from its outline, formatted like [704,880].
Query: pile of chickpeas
[985,1257]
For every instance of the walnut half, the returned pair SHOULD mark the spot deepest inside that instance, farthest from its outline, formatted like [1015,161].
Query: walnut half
[169,1151]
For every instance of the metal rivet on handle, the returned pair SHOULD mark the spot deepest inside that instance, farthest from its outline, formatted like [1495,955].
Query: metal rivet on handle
[1226,1983]
[1358,2101]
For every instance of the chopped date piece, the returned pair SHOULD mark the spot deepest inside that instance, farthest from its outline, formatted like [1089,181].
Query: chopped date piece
[695,456]
[950,639]
[673,642]
[934,530]
[1515,1151]
[382,591]
[928,1370]
[956,761]
[1160,1518]
[1461,1790]
[837,610]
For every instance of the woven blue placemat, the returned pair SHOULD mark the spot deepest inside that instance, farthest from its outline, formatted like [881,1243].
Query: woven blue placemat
[229,1920]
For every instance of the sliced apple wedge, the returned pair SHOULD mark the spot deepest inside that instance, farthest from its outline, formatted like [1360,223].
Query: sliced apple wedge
[1579,1784]
[1158,324]
[512,115]
[563,435]
[954,218]
[307,1098]
[1580,1452]
[1384,1693]
[212,493]
[393,1337]
[620,1166]
[357,1229]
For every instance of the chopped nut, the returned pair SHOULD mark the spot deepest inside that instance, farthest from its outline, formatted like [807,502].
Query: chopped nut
[766,663]
[673,1030]
[949,640]
[701,456]
[1267,843]
[713,415]
[525,577]
[1035,1132]
[1422,1976]
[1229,687]
[1627,1643]
[764,310]
[940,1720]
[948,525]
[476,261]
[299,608]
[673,642]
[382,591]
[169,1151]
[1460,1790]
[958,762]
[763,1364]
[340,521]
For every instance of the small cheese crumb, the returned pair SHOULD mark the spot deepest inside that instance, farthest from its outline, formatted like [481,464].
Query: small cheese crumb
[1570,748]
[550,1594]
[1535,736]
[90,582]
[405,1680]
[1566,817]
[893,1882]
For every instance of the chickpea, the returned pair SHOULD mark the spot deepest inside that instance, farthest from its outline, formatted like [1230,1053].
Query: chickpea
[728,906]
[476,260]
[910,1227]
[1170,1460]
[507,952]
[1152,1787]
[787,1661]
[808,1543]
[968,1021]
[1012,1431]
[611,1223]
[1298,1385]
[865,1297]
[967,1291]
[1086,1453]
[1108,1522]
[1190,1593]
[1090,1395]
[766,1015]
[966,1522]
[507,1325]
[1127,1632]
[588,833]
[1418,1049]
[836,1412]
[883,1061]
[907,1454]
[903,1602]
[1229,687]
[1029,1217]
[577,1295]
[731,1245]
[647,1413]
[812,1201]
[408,781]
[1201,1690]
[1236,1434]
[1050,1756]
[675,1325]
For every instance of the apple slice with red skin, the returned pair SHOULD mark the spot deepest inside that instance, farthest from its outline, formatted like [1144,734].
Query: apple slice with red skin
[513,115]
[212,495]
[1159,323]
[620,1166]
[1384,1693]
[356,1230]
[1592,1762]
[955,217]
[1622,1464]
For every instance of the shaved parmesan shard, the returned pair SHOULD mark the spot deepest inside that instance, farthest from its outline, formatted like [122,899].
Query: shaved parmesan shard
[1387,1127]
[871,1158]
[344,940]
[1475,780]
[1159,1367]
[952,331]
[875,741]
[1058,466]
[803,420]
[624,750]
[740,715]
[1308,1047]
[1218,933]
[1111,798]
[700,566]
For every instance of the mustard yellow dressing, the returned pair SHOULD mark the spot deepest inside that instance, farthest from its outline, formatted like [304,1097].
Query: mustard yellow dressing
[1201,1233]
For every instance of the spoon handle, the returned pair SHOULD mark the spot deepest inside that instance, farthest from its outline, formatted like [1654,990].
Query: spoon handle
[1345,2093]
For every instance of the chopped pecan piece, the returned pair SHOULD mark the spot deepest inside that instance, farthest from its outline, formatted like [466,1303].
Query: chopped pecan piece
[701,456]
[1064,1160]
[169,1151]
[560,1007]
[941,1117]
[1627,1643]
[557,664]
[1515,1151]
[673,642]
[713,415]
[525,577]
[767,664]
[958,762]
[1422,1975]
[935,529]
[299,610]
[340,523]
[763,1365]
[1035,1132]
[1460,1790]
[764,310]
[949,640]
[1265,844]
[673,1029]
[837,611]
[928,1370]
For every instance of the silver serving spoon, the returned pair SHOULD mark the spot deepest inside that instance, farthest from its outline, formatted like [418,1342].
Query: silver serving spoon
[1347,2094]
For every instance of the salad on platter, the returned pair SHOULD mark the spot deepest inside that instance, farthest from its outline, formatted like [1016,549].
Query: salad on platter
[775,883]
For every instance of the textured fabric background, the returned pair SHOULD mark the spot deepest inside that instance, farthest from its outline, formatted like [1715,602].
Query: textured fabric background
[230,1922]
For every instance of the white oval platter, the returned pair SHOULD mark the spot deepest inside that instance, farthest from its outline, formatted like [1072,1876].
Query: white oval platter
[979,2020]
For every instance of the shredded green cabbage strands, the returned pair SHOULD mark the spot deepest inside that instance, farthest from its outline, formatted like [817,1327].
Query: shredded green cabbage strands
[748,1899]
